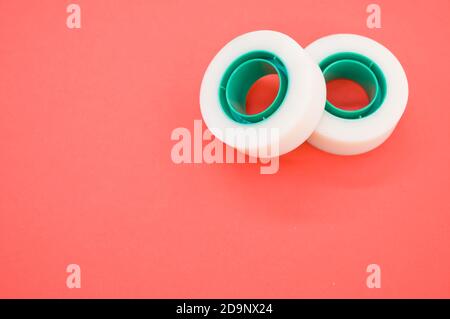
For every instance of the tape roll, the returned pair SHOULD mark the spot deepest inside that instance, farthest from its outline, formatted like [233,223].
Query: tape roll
[294,113]
[378,71]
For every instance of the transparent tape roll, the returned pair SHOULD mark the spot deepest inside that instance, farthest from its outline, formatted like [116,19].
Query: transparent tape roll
[378,71]
[294,113]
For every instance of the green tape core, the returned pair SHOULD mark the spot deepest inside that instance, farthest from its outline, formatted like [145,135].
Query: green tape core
[360,69]
[239,78]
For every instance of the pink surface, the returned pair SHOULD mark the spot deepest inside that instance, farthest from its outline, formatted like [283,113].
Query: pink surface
[86,175]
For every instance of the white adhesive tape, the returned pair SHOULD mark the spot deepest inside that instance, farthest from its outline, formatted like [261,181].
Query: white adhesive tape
[344,135]
[294,113]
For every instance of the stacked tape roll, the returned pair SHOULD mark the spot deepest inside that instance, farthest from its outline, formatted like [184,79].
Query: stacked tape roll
[294,113]
[377,70]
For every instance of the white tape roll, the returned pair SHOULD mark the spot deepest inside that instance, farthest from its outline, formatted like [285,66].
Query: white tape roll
[366,61]
[295,111]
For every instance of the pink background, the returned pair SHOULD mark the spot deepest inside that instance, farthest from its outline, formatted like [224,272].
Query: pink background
[86,175]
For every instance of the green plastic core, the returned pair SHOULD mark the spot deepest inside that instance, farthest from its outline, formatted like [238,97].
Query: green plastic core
[360,69]
[239,78]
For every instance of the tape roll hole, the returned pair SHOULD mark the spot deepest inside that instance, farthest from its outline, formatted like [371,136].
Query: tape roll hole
[356,74]
[362,76]
[255,89]
[347,94]
[262,94]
